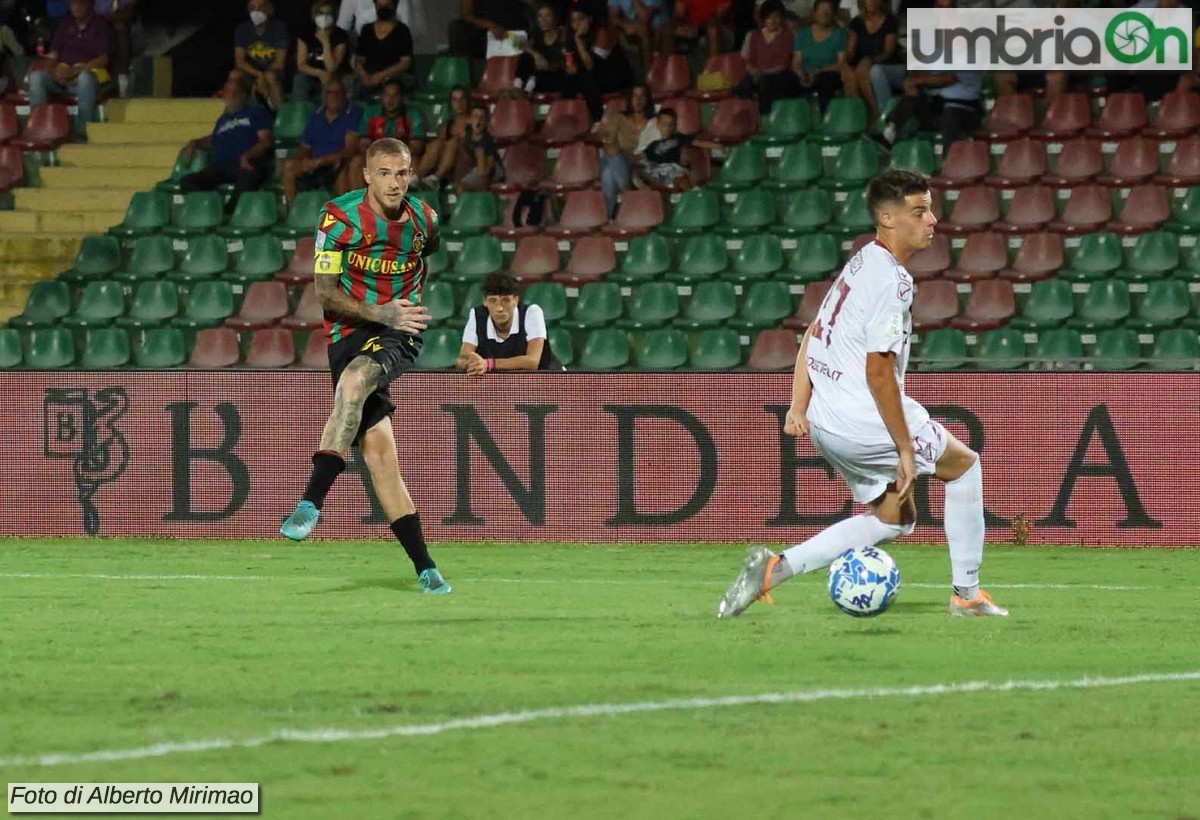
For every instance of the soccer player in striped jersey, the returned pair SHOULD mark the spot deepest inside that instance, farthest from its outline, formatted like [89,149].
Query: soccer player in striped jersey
[370,270]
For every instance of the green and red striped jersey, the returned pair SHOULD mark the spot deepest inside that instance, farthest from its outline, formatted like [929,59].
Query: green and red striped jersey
[376,259]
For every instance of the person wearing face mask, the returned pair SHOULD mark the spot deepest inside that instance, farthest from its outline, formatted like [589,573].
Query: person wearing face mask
[320,56]
[260,51]
[355,15]
[384,52]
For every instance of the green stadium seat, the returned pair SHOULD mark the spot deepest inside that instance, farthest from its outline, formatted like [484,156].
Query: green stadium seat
[255,212]
[605,349]
[717,348]
[105,348]
[148,212]
[437,262]
[753,211]
[1154,255]
[199,162]
[760,257]
[652,304]
[473,299]
[598,304]
[1097,256]
[703,257]
[1185,213]
[852,217]
[152,257]
[261,258]
[648,257]
[290,122]
[480,255]
[432,198]
[764,305]
[562,344]
[856,163]
[50,348]
[303,214]
[806,211]
[662,349]
[799,166]
[154,303]
[712,303]
[697,211]
[201,212]
[47,303]
[445,73]
[551,297]
[205,258]
[1116,349]
[1189,265]
[1164,304]
[1001,349]
[815,257]
[161,347]
[209,305]
[1058,347]
[97,258]
[744,168]
[1105,304]
[790,119]
[845,119]
[440,348]
[1049,304]
[1174,349]
[915,155]
[943,349]
[438,297]
[101,302]
[474,213]
[10,348]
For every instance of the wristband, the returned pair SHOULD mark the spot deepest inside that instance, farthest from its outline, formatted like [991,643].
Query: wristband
[491,365]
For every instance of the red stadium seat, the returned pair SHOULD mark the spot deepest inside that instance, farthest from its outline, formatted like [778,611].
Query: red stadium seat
[12,168]
[507,229]
[316,352]
[1178,116]
[536,258]
[860,242]
[935,304]
[1010,118]
[578,166]
[498,76]
[1088,209]
[271,347]
[511,121]
[308,314]
[966,162]
[584,212]
[8,122]
[1022,163]
[1135,162]
[300,269]
[734,121]
[669,76]
[639,213]
[991,304]
[264,304]
[810,303]
[1029,211]
[774,349]
[1145,209]
[567,121]
[1039,256]
[524,168]
[48,127]
[592,259]
[983,257]
[687,114]
[1184,168]
[732,65]
[1122,116]
[215,347]
[1066,117]
[975,209]
[931,262]
[1080,161]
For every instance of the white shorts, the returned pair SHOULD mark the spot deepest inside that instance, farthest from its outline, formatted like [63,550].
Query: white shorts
[869,467]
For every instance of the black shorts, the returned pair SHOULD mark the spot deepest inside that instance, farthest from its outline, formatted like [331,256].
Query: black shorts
[322,178]
[393,350]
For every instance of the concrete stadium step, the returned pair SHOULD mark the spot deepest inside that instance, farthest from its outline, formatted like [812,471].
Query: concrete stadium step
[204,111]
[36,271]
[120,156]
[148,133]
[75,222]
[56,200]
[72,177]
[24,247]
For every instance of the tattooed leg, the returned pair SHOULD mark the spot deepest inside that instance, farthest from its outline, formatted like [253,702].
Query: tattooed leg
[360,378]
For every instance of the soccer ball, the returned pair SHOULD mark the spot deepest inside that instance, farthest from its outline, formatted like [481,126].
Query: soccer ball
[863,581]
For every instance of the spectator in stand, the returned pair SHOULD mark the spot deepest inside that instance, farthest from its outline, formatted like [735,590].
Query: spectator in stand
[10,47]
[477,18]
[542,64]
[600,66]
[874,37]
[768,55]
[394,121]
[442,153]
[947,102]
[384,51]
[120,15]
[260,47]
[713,16]
[78,63]
[321,56]
[482,159]
[503,334]
[355,15]
[622,134]
[820,52]
[663,164]
[240,145]
[644,27]
[329,141]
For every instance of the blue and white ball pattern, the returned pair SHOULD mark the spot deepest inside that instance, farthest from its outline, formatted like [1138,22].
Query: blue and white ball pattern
[863,581]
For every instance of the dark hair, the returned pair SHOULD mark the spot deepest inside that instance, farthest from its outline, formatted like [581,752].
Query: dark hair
[893,185]
[670,112]
[650,107]
[771,7]
[396,82]
[833,3]
[478,106]
[499,283]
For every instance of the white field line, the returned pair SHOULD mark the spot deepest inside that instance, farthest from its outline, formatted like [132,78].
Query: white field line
[589,710]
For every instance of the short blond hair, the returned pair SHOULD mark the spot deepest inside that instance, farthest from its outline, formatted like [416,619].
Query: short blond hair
[388,146]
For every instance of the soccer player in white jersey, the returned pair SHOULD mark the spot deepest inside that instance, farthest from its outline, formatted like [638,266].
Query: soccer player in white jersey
[848,396]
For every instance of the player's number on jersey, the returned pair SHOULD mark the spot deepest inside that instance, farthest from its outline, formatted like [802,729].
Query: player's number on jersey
[823,329]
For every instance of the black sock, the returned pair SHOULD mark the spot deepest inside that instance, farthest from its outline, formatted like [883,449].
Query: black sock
[408,532]
[327,467]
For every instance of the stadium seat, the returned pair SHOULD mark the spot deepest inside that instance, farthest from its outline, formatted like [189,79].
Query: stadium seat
[202,211]
[1123,115]
[480,255]
[1185,212]
[669,76]
[584,212]
[983,256]
[511,121]
[1029,211]
[845,119]
[209,305]
[662,349]
[508,228]
[933,261]
[1049,304]
[648,257]
[148,212]
[255,212]
[605,349]
[473,298]
[935,305]
[440,348]
[273,347]
[12,168]
[1001,349]
[536,258]
[697,211]
[1098,255]
[264,304]
[160,347]
[8,122]
[639,212]
[773,350]
[990,305]
[1189,265]
[496,80]
[1039,256]
[303,214]
[206,257]
[687,114]
[438,298]
[1146,208]
[446,72]
[262,258]
[760,257]
[715,349]
[1088,209]
[474,213]
[598,304]
[524,168]
[105,348]
[1178,116]
[48,127]
[744,168]
[805,211]
[965,163]
[11,354]
[856,162]
[98,257]
[791,118]
[1105,304]
[1153,255]
[1079,162]
[1066,116]
[729,64]
[1116,349]
[703,257]
[1165,303]
[734,121]
[815,257]
[437,262]
[308,315]
[182,168]
[155,302]
[1022,163]
[799,166]
[753,211]
[1058,347]
[50,348]
[1011,117]
[712,303]
[152,256]
[316,352]
[943,349]
[915,155]
[1135,162]
[551,297]
[101,302]
[810,303]
[1175,349]
[764,305]
[1183,169]
[567,121]
[290,122]
[215,347]
[592,258]
[852,218]
[48,302]
[652,304]
[975,209]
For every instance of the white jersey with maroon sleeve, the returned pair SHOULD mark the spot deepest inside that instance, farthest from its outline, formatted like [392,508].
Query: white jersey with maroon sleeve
[868,310]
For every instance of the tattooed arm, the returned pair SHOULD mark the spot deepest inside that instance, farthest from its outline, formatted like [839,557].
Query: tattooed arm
[399,314]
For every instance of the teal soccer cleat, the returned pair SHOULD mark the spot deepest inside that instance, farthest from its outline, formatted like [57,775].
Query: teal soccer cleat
[432,582]
[299,525]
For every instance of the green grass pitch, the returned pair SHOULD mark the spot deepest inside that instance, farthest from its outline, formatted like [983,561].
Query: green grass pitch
[320,671]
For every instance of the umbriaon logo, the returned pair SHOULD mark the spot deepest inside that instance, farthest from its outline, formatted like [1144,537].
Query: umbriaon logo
[1049,40]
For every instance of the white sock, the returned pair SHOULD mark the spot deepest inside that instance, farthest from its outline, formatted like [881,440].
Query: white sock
[863,530]
[964,527]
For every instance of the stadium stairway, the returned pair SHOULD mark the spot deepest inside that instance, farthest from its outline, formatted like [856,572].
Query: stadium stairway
[88,188]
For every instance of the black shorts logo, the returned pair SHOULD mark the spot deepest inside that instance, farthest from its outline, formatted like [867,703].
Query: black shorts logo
[372,345]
